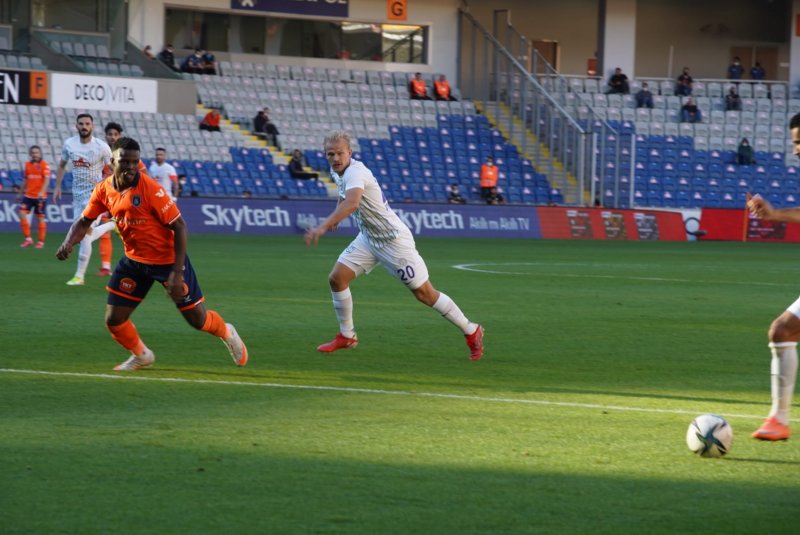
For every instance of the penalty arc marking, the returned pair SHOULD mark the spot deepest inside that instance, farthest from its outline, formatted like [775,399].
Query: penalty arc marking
[375,391]
[487,267]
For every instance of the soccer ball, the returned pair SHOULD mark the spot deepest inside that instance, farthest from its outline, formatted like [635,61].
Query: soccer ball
[709,435]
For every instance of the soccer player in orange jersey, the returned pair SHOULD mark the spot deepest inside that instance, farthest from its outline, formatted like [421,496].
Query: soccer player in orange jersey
[35,177]
[154,237]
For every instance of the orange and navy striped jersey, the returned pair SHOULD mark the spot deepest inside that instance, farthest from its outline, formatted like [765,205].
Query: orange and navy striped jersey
[142,213]
[36,175]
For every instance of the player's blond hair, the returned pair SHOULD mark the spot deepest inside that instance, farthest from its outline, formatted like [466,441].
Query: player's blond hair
[337,135]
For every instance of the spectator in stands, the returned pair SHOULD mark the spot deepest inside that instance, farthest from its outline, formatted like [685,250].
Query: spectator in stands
[494,197]
[442,89]
[182,181]
[193,63]
[271,131]
[644,98]
[209,62]
[488,177]
[757,72]
[260,123]
[733,102]
[744,153]
[211,121]
[690,113]
[618,83]
[247,194]
[417,89]
[455,195]
[735,69]
[148,51]
[684,86]
[167,57]
[296,166]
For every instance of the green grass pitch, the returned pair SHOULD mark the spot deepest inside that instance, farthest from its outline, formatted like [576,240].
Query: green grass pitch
[598,356]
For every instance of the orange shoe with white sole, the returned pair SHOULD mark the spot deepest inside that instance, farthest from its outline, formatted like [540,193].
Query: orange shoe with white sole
[772,429]
[340,342]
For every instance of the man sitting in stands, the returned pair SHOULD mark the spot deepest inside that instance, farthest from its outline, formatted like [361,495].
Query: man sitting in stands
[455,195]
[417,89]
[618,83]
[644,98]
[193,64]
[209,62]
[732,100]
[690,113]
[442,89]
[211,121]
[296,166]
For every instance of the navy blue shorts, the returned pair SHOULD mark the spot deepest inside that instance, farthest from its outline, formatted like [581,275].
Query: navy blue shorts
[131,281]
[30,204]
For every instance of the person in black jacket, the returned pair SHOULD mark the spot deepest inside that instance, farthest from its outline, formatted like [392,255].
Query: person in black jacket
[296,166]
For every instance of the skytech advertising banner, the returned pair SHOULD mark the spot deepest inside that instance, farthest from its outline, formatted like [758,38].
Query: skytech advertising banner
[323,8]
[23,87]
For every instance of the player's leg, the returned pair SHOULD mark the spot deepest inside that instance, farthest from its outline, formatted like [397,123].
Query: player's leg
[42,223]
[405,263]
[124,332]
[106,250]
[190,305]
[355,260]
[85,247]
[783,335]
[24,212]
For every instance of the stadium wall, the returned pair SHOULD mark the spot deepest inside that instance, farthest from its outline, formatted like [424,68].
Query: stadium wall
[279,217]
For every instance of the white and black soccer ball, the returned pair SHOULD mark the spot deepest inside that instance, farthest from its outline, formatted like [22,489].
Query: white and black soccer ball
[709,435]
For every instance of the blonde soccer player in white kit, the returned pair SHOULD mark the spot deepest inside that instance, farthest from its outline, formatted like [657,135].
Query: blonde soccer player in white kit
[88,156]
[383,239]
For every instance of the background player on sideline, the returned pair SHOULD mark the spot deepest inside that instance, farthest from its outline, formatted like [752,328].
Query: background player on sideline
[155,238]
[88,156]
[785,329]
[384,239]
[164,173]
[35,177]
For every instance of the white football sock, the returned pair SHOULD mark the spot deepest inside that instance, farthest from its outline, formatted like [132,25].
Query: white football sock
[84,255]
[449,309]
[783,374]
[343,305]
[99,230]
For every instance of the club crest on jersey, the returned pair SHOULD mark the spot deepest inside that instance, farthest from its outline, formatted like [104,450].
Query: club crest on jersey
[127,285]
[136,200]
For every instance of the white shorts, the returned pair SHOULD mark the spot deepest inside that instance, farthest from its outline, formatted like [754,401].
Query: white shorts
[399,257]
[79,204]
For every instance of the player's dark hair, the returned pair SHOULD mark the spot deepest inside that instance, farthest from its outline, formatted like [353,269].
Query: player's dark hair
[161,148]
[82,115]
[113,126]
[34,147]
[794,122]
[126,143]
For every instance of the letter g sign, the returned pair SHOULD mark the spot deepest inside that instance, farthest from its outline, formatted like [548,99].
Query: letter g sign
[396,9]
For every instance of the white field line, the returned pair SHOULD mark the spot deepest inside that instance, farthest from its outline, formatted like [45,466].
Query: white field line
[478,268]
[374,391]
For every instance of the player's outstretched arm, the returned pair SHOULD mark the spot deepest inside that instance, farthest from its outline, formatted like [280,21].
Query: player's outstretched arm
[761,208]
[76,233]
[343,210]
[175,279]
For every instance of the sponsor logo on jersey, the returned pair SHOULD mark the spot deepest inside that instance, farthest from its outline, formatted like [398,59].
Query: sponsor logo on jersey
[127,285]
[81,162]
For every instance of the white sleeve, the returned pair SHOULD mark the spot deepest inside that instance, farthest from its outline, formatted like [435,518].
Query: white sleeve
[65,153]
[355,178]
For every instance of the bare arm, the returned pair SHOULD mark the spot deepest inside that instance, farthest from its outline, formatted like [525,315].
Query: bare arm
[175,279]
[762,209]
[24,184]
[76,233]
[344,208]
[62,167]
